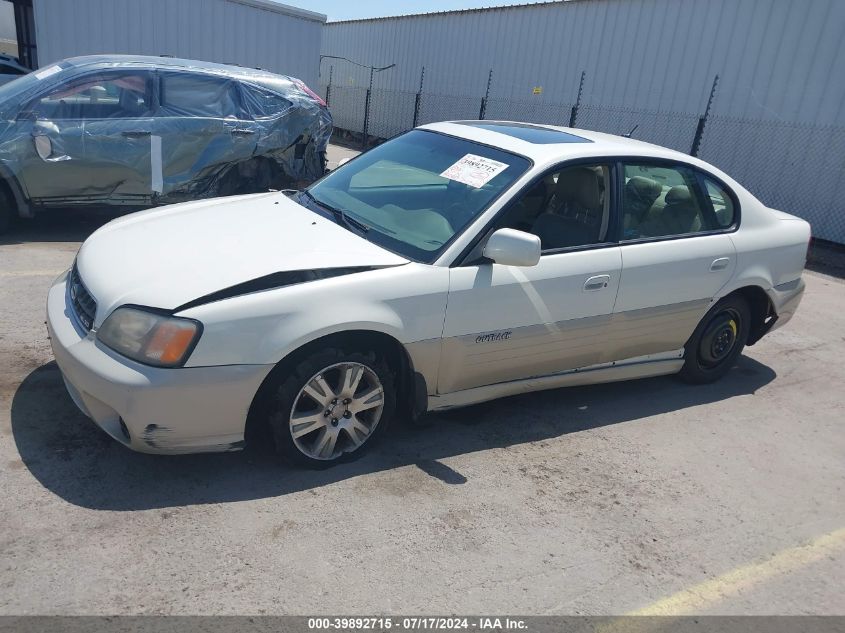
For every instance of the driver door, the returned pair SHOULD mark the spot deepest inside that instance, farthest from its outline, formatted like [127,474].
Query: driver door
[90,140]
[507,323]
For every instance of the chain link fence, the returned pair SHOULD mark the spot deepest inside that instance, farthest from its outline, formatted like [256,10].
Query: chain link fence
[675,130]
[437,107]
[347,105]
[795,167]
[798,168]
[532,111]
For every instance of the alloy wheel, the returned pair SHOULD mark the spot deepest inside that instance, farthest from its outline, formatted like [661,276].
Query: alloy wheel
[336,411]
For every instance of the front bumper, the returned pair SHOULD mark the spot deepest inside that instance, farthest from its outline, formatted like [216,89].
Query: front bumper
[149,409]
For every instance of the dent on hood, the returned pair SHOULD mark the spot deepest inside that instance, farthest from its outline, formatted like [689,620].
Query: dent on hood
[273,281]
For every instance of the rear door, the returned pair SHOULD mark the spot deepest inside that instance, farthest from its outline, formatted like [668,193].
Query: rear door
[676,256]
[203,129]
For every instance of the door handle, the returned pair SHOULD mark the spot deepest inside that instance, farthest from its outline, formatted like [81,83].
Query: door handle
[242,131]
[719,264]
[132,133]
[596,283]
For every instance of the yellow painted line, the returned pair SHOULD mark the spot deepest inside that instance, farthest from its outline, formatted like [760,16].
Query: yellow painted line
[30,273]
[712,591]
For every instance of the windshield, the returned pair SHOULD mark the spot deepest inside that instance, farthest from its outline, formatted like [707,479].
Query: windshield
[18,86]
[11,92]
[413,194]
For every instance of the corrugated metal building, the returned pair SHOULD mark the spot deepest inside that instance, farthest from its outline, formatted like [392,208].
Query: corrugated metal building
[254,33]
[777,120]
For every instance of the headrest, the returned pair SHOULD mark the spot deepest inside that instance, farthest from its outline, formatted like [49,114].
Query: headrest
[128,101]
[579,185]
[678,195]
[644,188]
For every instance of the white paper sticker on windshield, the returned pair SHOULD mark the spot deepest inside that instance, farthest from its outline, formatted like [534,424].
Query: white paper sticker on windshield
[475,171]
[50,70]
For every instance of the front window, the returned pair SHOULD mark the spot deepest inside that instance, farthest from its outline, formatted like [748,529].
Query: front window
[413,194]
[567,207]
[108,95]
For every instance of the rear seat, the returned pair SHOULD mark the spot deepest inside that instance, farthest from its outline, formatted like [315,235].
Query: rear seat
[639,196]
[679,215]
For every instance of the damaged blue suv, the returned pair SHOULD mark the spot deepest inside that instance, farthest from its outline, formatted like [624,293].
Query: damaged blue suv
[137,131]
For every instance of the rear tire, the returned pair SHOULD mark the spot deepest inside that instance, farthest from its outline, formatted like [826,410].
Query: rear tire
[717,341]
[332,407]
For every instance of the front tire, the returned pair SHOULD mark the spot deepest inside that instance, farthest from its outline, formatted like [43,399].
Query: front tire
[717,341]
[8,212]
[333,407]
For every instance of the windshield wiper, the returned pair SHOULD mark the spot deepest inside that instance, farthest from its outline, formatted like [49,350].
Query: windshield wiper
[339,214]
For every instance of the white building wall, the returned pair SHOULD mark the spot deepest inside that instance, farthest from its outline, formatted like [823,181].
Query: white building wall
[776,59]
[254,33]
[777,123]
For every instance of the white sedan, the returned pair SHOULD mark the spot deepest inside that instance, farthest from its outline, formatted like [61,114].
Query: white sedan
[454,264]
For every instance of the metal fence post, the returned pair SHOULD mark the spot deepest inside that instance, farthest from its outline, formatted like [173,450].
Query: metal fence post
[486,96]
[418,99]
[364,135]
[702,121]
[329,87]
[573,116]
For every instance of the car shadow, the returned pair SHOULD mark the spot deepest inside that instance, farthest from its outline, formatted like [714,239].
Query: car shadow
[77,461]
[59,225]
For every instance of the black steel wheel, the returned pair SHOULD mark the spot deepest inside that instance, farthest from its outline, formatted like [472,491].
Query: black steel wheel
[717,341]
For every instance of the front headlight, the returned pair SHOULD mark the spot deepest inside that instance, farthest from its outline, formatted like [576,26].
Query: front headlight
[150,338]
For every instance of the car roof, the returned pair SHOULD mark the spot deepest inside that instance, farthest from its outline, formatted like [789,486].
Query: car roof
[233,70]
[573,142]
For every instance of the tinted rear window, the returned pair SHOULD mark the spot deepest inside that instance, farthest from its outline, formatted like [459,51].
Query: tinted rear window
[187,94]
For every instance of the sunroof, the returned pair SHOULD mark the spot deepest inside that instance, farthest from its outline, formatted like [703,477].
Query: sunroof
[528,132]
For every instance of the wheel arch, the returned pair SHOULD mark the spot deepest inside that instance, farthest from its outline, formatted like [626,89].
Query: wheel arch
[411,396]
[13,186]
[762,310]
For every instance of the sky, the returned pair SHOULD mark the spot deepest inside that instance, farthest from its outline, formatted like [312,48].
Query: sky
[351,10]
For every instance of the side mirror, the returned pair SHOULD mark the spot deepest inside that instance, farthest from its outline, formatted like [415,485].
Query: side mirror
[510,247]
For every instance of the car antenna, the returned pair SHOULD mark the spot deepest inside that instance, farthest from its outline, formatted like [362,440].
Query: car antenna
[633,129]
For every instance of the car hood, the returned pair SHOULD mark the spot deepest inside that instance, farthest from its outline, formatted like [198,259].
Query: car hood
[170,256]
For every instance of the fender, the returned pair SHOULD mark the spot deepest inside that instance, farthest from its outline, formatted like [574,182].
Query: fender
[21,201]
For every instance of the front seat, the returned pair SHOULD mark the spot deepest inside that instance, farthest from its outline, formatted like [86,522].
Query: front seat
[557,231]
[578,196]
[575,213]
[129,105]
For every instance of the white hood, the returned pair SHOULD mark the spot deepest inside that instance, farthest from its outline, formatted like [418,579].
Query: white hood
[166,257]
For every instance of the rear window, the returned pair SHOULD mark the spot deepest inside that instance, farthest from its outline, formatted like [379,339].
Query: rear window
[188,94]
[723,205]
[263,104]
